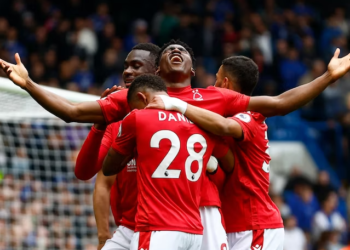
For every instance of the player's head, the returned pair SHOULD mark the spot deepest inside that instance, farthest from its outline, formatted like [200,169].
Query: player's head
[238,73]
[140,60]
[143,89]
[175,61]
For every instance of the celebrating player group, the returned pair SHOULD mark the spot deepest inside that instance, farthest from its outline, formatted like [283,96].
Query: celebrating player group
[181,168]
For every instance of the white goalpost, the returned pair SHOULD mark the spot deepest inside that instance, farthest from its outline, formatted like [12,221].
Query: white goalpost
[42,204]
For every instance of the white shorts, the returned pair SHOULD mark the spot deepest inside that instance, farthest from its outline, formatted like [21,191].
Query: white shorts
[165,240]
[214,234]
[264,239]
[120,240]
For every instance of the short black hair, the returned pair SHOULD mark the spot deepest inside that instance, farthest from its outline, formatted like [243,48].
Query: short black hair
[244,71]
[146,81]
[183,44]
[152,48]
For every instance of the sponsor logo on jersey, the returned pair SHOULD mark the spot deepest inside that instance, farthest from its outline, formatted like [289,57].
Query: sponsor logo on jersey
[257,247]
[196,95]
[131,166]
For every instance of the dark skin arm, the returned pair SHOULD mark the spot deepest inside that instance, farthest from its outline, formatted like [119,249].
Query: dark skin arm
[295,98]
[101,202]
[227,162]
[207,120]
[55,104]
[114,162]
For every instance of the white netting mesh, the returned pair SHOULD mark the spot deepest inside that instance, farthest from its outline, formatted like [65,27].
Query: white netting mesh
[42,204]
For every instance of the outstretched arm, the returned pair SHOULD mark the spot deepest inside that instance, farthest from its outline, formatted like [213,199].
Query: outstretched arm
[55,104]
[294,99]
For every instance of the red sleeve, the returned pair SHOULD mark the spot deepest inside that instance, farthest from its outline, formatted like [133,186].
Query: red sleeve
[248,125]
[85,167]
[114,201]
[234,102]
[125,142]
[108,136]
[115,106]
[218,178]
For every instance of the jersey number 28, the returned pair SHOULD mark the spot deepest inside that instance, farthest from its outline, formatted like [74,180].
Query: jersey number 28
[162,170]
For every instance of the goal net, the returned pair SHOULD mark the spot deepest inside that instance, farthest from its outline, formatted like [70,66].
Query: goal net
[42,204]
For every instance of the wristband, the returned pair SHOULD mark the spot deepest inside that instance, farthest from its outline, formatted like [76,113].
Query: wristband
[212,164]
[171,103]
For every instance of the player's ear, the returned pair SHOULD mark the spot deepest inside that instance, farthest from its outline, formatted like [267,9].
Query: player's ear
[142,98]
[193,72]
[157,71]
[225,83]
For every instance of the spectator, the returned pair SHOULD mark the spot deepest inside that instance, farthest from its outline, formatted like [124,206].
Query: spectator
[294,238]
[139,35]
[303,204]
[101,18]
[86,38]
[323,187]
[328,218]
[291,69]
[12,45]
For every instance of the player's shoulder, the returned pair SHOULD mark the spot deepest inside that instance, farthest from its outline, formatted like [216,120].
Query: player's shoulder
[249,116]
[114,125]
[117,94]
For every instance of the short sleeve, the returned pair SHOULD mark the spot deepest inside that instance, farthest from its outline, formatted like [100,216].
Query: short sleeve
[115,106]
[248,125]
[125,142]
[234,102]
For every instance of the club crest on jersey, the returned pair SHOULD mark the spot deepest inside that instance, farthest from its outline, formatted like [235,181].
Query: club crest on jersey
[196,95]
[257,247]
[243,117]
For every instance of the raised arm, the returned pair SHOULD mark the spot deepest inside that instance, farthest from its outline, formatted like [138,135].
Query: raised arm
[295,98]
[55,104]
[101,203]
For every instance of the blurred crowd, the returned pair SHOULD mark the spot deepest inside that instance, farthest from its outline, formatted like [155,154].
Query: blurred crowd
[42,204]
[314,213]
[81,46]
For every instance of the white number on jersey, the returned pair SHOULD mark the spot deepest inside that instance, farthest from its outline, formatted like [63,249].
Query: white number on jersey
[162,170]
[266,166]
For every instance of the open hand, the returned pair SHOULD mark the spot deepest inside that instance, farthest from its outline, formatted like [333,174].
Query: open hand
[338,67]
[109,91]
[156,103]
[16,73]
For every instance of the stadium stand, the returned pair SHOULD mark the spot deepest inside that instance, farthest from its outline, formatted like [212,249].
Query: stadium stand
[81,45]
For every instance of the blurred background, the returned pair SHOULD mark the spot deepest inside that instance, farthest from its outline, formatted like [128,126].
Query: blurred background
[81,46]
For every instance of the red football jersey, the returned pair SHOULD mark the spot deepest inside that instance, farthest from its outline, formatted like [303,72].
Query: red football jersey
[114,203]
[246,204]
[171,153]
[125,185]
[221,101]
